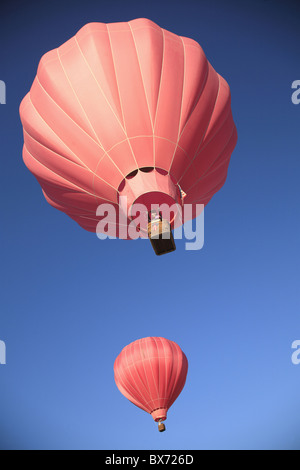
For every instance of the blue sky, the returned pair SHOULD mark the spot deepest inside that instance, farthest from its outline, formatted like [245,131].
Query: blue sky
[70,302]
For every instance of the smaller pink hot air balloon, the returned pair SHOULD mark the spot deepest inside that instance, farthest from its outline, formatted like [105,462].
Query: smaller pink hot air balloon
[151,373]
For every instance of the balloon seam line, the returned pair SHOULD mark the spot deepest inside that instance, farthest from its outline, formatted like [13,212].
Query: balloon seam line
[138,59]
[181,105]
[159,88]
[120,99]
[204,133]
[207,173]
[69,182]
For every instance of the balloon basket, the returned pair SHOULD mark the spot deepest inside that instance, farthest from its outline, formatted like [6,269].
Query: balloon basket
[161,426]
[161,237]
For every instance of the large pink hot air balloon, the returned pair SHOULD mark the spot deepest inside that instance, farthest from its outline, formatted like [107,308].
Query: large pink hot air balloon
[126,114]
[151,373]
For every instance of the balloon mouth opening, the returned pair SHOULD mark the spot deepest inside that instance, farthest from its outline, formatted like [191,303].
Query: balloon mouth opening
[156,201]
[149,189]
[160,414]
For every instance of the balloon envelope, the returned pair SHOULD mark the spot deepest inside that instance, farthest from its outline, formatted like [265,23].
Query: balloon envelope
[127,109]
[151,373]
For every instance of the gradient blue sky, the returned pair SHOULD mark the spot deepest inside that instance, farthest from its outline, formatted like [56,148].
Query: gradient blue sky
[70,302]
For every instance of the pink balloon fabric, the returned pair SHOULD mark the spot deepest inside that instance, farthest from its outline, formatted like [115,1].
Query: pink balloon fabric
[151,373]
[125,99]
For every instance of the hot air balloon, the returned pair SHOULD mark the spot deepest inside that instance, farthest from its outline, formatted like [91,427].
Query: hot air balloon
[151,373]
[127,115]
